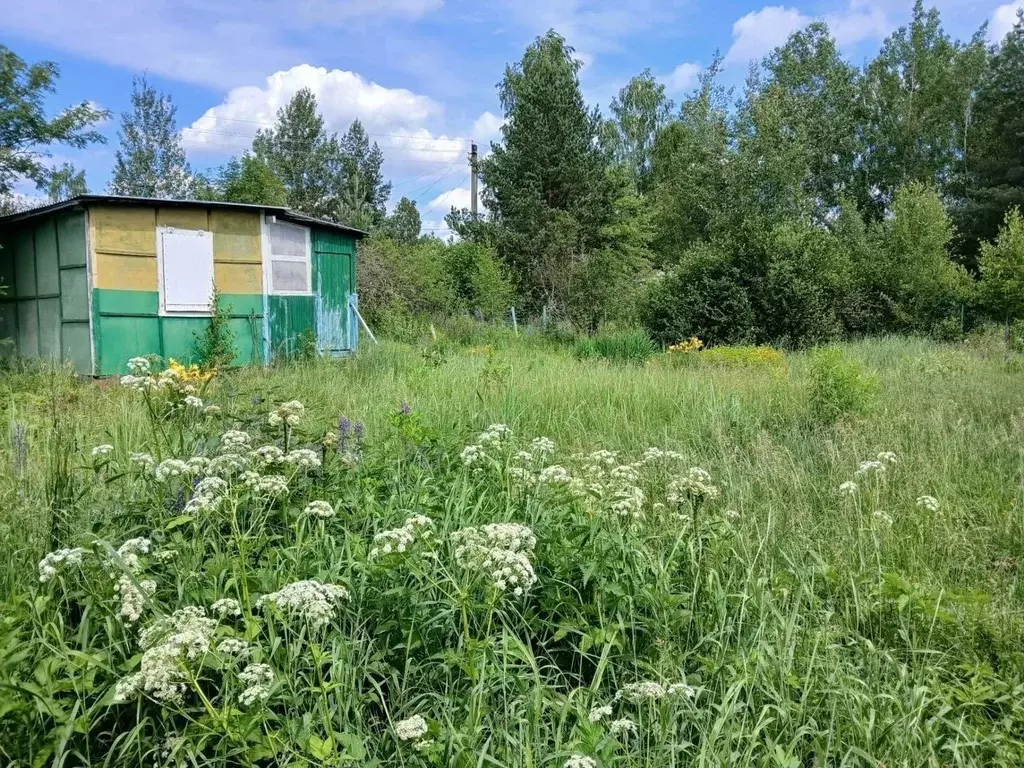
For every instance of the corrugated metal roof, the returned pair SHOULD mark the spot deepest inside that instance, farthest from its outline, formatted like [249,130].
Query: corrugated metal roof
[285,213]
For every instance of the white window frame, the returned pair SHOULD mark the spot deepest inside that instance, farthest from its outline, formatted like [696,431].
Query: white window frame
[306,259]
[175,310]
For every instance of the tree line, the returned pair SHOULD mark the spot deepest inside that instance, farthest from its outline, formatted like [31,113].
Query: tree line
[822,200]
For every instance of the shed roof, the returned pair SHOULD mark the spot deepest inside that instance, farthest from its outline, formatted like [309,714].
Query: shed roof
[286,214]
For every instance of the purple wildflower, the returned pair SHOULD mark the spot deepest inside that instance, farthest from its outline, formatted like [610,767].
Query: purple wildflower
[406,409]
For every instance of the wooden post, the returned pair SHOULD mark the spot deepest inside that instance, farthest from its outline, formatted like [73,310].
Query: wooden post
[472,179]
[515,325]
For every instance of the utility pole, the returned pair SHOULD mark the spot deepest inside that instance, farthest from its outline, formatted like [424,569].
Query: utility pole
[472,179]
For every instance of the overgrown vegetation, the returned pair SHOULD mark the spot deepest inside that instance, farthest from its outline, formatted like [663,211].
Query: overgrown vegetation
[506,552]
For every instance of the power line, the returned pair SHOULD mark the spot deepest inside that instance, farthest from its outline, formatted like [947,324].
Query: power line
[310,142]
[368,133]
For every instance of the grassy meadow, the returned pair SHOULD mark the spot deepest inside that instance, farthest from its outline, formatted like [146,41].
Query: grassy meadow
[819,567]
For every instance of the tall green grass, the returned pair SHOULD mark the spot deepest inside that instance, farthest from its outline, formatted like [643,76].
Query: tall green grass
[813,630]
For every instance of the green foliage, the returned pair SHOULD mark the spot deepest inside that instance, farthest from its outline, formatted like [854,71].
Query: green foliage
[403,225]
[150,161]
[1002,270]
[66,183]
[214,346]
[248,179]
[361,165]
[733,357]
[839,386]
[629,347]
[403,279]
[25,131]
[639,113]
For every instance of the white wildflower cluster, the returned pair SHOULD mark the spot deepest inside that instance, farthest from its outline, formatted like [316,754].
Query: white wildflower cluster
[695,485]
[130,551]
[473,455]
[211,410]
[133,597]
[500,551]
[869,467]
[556,475]
[168,469]
[228,464]
[139,366]
[192,401]
[101,450]
[580,761]
[622,727]
[417,528]
[207,496]
[257,679]
[659,455]
[411,728]
[142,379]
[54,561]
[235,441]
[168,645]
[495,433]
[289,414]
[310,600]
[628,502]
[144,460]
[272,485]
[887,457]
[849,488]
[928,502]
[233,648]
[302,458]
[883,518]
[319,509]
[597,714]
[648,690]
[226,607]
[542,446]
[268,456]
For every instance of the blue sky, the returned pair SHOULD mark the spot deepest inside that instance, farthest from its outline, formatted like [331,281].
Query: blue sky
[420,74]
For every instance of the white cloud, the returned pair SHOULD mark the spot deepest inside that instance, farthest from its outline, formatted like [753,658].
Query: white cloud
[1003,20]
[219,43]
[485,129]
[862,20]
[759,32]
[682,78]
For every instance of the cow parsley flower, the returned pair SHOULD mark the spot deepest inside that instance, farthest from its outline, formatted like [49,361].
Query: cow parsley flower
[53,561]
[133,598]
[191,401]
[887,457]
[597,714]
[320,509]
[233,647]
[289,413]
[169,644]
[226,607]
[400,540]
[849,488]
[871,466]
[646,690]
[257,679]
[228,464]
[580,761]
[542,446]
[472,455]
[140,366]
[302,458]
[495,433]
[169,469]
[622,727]
[411,728]
[235,441]
[883,517]
[928,502]
[681,689]
[732,516]
[211,410]
[144,460]
[272,485]
[130,551]
[102,450]
[310,600]
[197,465]
[628,502]
[554,475]
[501,552]
[269,455]
[696,485]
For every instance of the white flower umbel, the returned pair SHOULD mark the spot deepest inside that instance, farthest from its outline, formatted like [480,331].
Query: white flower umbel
[102,450]
[417,528]
[272,485]
[883,518]
[554,475]
[870,467]
[54,561]
[500,552]
[144,460]
[168,469]
[495,433]
[319,509]
[309,600]
[681,690]
[197,465]
[228,465]
[133,598]
[257,679]
[235,441]
[289,413]
[211,410]
[696,484]
[887,457]
[268,455]
[302,458]
[542,446]
[849,488]
[411,728]
[622,727]
[646,690]
[191,401]
[928,502]
[226,607]
[473,455]
[233,647]
[580,761]
[131,550]
[597,714]
[140,366]
[628,502]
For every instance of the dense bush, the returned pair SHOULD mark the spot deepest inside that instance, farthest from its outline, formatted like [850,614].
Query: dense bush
[839,386]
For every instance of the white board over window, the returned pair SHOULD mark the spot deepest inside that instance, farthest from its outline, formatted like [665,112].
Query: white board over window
[186,269]
[290,271]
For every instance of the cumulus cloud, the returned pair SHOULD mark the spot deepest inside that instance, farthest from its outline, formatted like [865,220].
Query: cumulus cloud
[682,78]
[1003,20]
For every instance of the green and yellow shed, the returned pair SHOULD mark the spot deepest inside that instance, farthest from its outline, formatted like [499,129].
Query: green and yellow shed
[98,279]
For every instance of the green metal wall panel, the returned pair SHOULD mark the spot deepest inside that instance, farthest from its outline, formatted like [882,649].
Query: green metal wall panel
[24,263]
[77,345]
[28,328]
[72,239]
[74,295]
[290,317]
[49,328]
[119,338]
[47,279]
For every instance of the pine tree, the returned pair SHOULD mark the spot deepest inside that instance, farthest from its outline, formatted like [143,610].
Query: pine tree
[361,160]
[150,161]
[304,156]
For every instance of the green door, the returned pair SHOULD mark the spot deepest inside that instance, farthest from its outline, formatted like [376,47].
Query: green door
[333,282]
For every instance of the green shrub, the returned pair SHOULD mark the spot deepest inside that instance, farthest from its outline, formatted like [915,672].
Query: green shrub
[839,386]
[633,347]
[733,357]
[214,346]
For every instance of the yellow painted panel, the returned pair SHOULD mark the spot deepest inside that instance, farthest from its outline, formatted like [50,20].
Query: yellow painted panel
[230,277]
[128,230]
[236,236]
[126,273]
[183,218]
